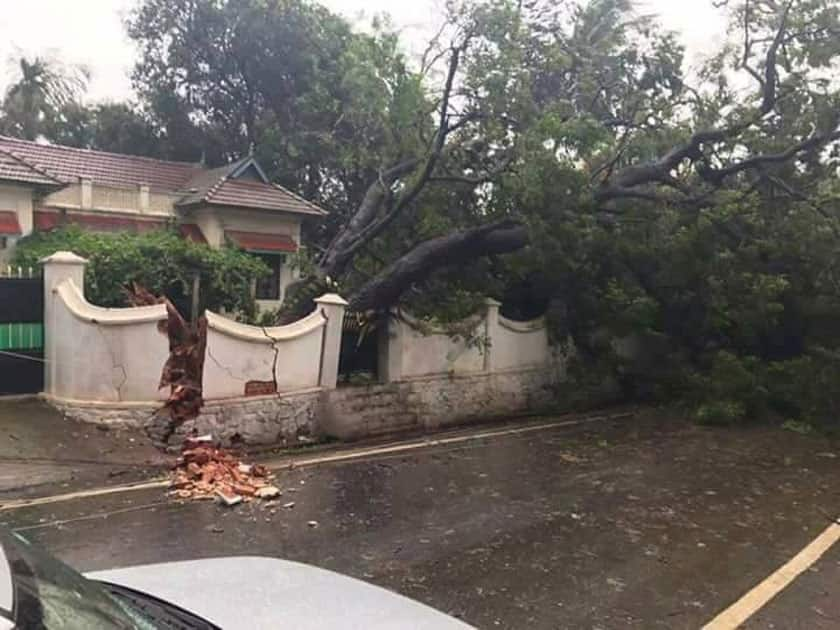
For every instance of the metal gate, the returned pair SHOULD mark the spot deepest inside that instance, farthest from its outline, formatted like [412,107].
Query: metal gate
[21,331]
[358,361]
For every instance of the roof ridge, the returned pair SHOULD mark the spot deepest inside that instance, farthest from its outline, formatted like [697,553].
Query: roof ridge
[35,167]
[299,198]
[64,147]
[216,188]
[212,190]
[228,170]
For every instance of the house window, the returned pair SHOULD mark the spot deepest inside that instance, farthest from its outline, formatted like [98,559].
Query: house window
[268,287]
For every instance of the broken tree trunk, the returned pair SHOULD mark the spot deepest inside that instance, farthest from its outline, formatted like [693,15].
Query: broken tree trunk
[184,367]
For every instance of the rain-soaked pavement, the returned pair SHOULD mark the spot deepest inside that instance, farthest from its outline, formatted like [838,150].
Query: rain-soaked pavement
[43,453]
[646,522]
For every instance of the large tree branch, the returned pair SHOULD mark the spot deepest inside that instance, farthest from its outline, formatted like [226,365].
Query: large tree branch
[623,182]
[657,172]
[813,141]
[389,284]
[365,226]
[440,136]
[339,252]
[771,74]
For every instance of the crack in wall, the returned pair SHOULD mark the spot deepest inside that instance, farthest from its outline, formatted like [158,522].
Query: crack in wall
[279,418]
[224,367]
[114,364]
[276,347]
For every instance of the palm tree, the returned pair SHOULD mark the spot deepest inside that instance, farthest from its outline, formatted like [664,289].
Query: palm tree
[42,90]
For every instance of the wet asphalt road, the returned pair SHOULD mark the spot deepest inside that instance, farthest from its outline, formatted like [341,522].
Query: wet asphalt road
[649,522]
[43,453]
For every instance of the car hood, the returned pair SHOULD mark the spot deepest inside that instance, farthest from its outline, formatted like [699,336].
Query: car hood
[254,593]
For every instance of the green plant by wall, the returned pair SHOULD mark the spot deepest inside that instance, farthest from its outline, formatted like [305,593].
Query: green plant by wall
[161,261]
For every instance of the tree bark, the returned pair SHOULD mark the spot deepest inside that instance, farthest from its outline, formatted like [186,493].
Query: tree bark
[344,246]
[388,285]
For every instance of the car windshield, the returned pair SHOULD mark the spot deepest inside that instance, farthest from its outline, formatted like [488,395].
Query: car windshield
[49,595]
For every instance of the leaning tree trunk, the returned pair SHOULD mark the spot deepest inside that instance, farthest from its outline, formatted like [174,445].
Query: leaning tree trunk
[386,288]
[385,202]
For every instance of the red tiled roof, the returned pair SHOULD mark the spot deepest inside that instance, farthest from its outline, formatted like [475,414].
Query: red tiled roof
[221,186]
[204,183]
[22,160]
[45,220]
[67,165]
[255,242]
[14,169]
[192,232]
[250,194]
[9,225]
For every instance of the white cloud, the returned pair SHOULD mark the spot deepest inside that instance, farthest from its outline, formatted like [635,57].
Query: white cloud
[87,32]
[701,27]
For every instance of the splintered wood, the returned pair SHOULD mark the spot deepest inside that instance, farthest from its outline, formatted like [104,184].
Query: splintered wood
[183,369]
[205,472]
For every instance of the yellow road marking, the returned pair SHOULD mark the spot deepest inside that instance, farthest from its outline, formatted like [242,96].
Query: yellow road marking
[758,597]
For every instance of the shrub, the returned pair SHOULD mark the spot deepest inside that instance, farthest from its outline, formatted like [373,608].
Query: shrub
[161,261]
[729,390]
[720,412]
[802,389]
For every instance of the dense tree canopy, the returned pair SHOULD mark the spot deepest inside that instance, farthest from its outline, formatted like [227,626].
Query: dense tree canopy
[551,153]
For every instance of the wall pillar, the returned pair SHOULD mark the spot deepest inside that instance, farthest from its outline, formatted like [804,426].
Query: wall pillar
[332,306]
[57,268]
[86,193]
[144,198]
[491,331]
[390,347]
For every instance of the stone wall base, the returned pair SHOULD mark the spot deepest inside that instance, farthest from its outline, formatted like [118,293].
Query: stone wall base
[419,404]
[429,403]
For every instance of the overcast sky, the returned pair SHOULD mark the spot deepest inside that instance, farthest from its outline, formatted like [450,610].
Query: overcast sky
[91,32]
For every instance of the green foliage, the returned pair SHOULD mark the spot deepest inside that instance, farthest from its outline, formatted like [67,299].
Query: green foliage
[114,127]
[728,300]
[730,390]
[160,261]
[721,412]
[36,100]
[797,426]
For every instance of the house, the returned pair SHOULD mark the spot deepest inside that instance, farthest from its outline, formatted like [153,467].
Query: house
[43,186]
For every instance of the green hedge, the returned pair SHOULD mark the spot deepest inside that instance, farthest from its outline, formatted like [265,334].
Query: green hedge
[161,261]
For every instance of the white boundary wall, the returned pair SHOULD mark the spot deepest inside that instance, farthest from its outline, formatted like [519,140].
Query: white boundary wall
[410,349]
[301,355]
[117,354]
[95,353]
[520,344]
[418,349]
[103,366]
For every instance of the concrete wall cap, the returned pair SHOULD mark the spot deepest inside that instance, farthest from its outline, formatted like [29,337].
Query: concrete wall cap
[84,310]
[64,258]
[261,334]
[522,327]
[331,298]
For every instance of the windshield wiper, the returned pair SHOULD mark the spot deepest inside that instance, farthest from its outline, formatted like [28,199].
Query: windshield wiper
[162,614]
